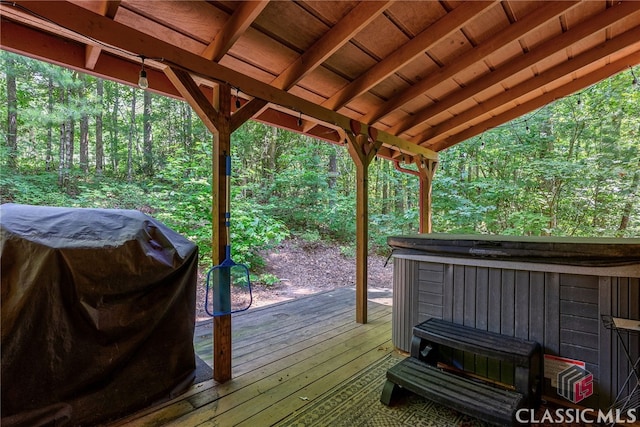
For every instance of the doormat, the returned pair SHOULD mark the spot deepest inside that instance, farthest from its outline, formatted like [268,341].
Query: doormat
[356,402]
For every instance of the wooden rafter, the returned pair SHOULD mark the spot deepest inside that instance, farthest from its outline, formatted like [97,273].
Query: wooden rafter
[539,53]
[446,25]
[340,34]
[334,39]
[616,44]
[575,85]
[108,8]
[515,31]
[240,20]
[190,90]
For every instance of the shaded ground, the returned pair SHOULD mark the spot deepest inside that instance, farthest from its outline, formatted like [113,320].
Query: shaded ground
[306,268]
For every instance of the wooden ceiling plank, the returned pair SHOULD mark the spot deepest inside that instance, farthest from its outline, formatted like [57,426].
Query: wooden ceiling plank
[515,31]
[191,92]
[608,48]
[334,39]
[340,34]
[237,24]
[448,24]
[575,85]
[539,53]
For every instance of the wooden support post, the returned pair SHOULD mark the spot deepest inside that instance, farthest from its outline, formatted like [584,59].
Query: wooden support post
[216,115]
[221,148]
[426,171]
[362,151]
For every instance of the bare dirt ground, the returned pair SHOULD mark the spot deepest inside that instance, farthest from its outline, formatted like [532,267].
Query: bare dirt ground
[306,268]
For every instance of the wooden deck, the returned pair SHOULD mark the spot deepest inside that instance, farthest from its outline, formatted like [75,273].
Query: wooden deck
[284,356]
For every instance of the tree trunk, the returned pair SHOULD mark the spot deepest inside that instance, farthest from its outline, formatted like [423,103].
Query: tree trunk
[114,129]
[386,177]
[132,131]
[628,206]
[62,157]
[98,117]
[84,130]
[148,141]
[12,114]
[49,154]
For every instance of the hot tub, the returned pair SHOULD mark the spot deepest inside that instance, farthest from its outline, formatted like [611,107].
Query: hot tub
[555,291]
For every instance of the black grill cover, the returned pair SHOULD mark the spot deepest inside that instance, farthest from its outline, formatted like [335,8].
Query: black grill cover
[98,314]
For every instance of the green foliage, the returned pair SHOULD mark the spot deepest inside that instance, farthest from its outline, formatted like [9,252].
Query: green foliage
[570,168]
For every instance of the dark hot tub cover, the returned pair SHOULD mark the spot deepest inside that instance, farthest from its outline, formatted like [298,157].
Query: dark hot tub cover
[585,251]
[98,313]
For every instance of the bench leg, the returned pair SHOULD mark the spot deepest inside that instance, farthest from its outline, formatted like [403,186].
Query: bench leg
[388,392]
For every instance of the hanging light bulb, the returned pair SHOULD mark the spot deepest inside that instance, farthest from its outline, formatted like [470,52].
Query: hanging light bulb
[143,83]
[635,79]
[237,97]
[300,121]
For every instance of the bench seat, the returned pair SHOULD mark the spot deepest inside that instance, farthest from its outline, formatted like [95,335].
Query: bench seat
[491,344]
[474,398]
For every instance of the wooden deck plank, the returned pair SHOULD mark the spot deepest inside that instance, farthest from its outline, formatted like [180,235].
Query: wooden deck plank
[285,376]
[275,409]
[314,347]
[248,349]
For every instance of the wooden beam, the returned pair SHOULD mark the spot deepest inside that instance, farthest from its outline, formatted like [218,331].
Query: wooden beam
[448,24]
[539,53]
[589,79]
[191,92]
[221,148]
[82,21]
[362,151]
[527,24]
[246,112]
[434,134]
[236,25]
[340,34]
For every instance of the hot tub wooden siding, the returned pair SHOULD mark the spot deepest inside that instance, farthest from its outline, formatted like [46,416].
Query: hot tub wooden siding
[556,305]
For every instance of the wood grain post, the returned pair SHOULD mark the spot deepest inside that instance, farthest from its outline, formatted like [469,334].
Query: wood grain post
[362,151]
[221,148]
[426,170]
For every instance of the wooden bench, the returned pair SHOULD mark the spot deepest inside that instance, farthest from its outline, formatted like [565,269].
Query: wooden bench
[474,397]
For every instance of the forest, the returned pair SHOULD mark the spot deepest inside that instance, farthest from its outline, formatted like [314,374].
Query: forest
[571,168]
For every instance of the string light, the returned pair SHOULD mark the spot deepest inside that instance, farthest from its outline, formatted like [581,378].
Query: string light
[635,79]
[143,83]
[300,121]
[237,97]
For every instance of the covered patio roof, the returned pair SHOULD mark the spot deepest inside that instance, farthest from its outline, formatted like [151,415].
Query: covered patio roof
[393,79]
[425,74]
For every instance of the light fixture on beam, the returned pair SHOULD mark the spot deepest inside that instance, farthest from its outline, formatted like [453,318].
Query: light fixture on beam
[143,83]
